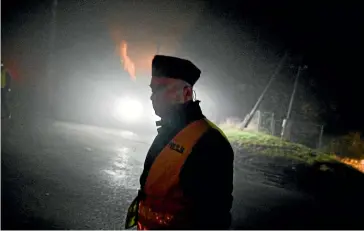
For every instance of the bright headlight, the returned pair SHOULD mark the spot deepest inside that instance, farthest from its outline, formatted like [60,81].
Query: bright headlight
[128,109]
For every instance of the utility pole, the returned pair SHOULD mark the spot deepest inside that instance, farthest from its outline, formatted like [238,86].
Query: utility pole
[286,120]
[259,113]
[320,136]
[276,71]
[272,125]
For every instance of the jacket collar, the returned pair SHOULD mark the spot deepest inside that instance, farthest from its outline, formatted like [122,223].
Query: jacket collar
[181,116]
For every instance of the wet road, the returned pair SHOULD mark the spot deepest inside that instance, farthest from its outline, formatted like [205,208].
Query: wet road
[69,176]
[58,175]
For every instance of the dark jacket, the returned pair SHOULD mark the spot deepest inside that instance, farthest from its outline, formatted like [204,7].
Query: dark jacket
[207,175]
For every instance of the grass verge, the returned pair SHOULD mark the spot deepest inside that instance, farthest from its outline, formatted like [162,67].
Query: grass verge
[263,144]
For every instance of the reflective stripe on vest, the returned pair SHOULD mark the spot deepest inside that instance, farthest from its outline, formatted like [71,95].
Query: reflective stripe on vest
[164,205]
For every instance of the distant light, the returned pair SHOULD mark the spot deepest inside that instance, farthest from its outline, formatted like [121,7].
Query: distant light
[128,109]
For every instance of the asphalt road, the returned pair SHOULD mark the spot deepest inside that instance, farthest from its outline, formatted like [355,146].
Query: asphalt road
[58,175]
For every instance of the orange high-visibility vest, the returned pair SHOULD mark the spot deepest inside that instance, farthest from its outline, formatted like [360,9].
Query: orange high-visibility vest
[164,205]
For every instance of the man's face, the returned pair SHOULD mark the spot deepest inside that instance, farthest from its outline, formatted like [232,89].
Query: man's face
[168,92]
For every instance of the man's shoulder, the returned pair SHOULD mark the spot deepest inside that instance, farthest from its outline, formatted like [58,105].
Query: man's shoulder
[215,132]
[212,147]
[214,138]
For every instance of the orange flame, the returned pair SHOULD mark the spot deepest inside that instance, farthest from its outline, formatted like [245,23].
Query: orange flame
[125,60]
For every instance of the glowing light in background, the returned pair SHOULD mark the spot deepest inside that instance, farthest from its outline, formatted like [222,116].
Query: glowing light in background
[128,109]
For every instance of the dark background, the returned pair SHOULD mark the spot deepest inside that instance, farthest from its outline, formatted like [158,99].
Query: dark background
[327,35]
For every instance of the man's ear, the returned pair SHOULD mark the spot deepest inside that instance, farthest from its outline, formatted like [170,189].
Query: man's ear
[187,93]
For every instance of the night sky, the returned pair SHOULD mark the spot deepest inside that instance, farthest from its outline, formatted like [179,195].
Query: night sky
[327,35]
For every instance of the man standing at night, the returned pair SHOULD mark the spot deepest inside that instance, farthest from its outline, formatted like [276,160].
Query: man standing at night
[187,180]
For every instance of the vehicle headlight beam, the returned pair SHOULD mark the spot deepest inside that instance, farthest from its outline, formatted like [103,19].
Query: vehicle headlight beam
[128,109]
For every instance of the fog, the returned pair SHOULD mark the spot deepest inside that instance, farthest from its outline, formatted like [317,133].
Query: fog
[81,72]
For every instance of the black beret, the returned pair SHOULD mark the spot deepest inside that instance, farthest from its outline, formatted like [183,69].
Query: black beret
[177,68]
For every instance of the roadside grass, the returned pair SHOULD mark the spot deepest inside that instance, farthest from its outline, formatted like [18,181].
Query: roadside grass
[264,144]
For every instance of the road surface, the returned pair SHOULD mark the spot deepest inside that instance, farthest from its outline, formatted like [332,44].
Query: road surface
[58,175]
